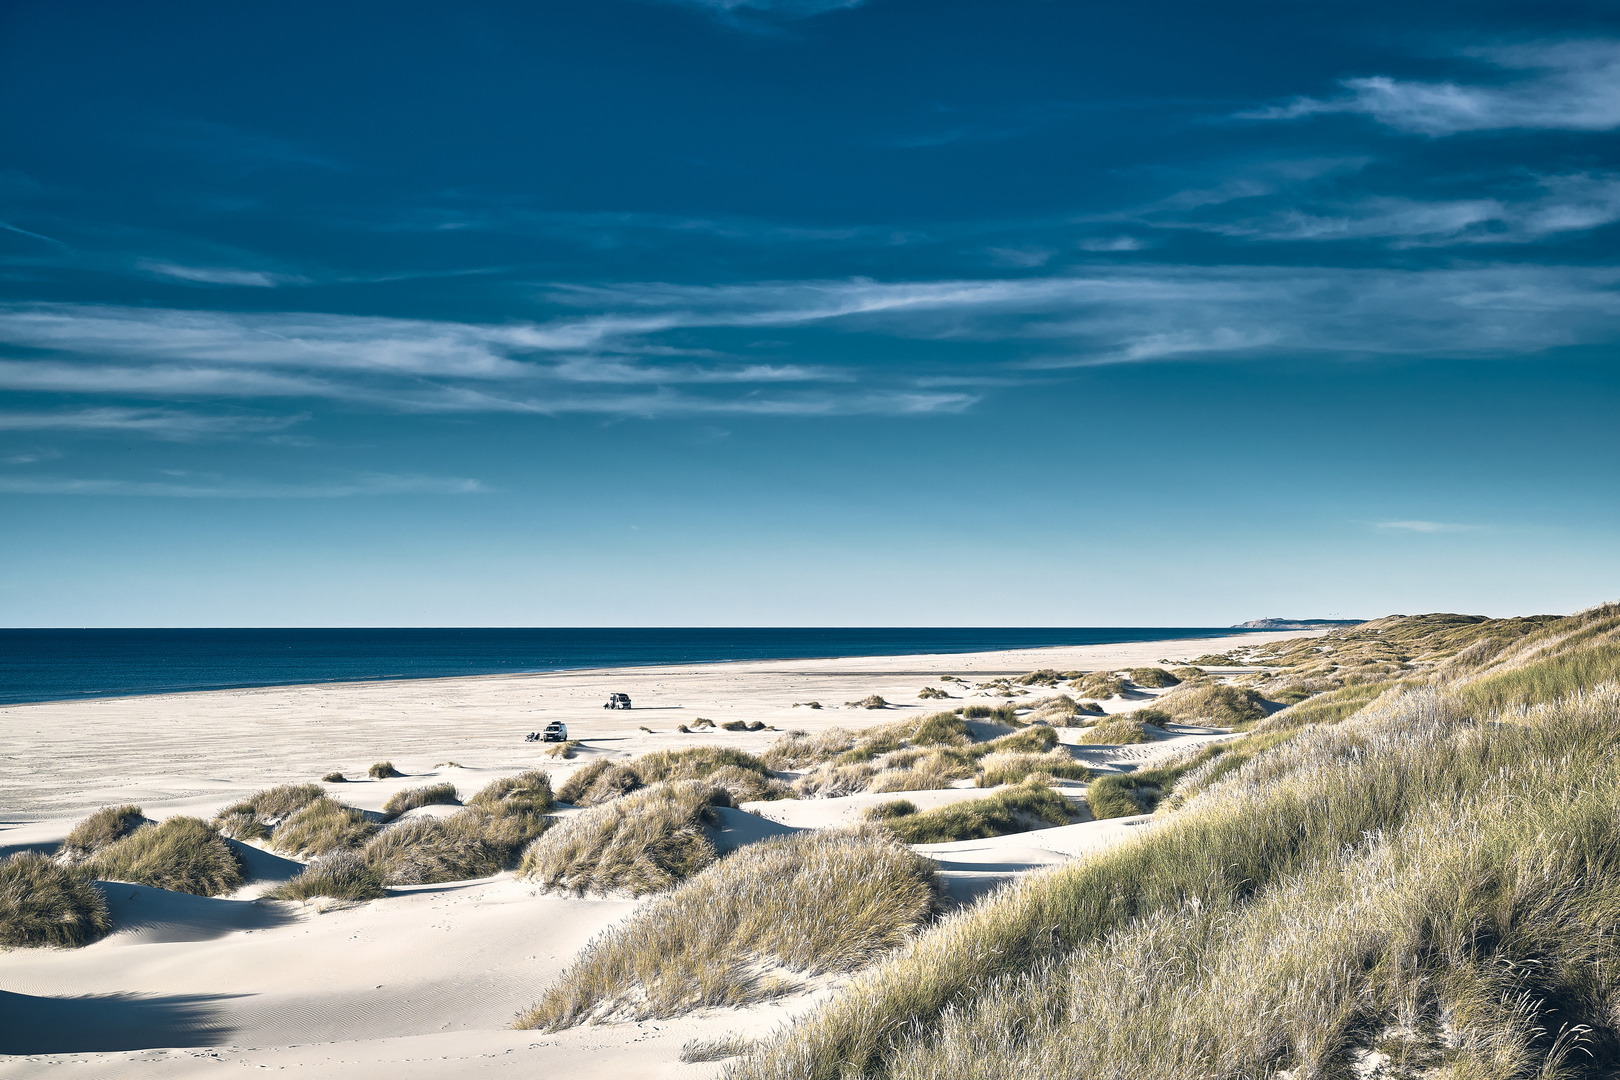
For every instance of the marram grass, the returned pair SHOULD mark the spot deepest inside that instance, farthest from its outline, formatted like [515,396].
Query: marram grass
[182,854]
[43,903]
[407,799]
[339,876]
[800,905]
[644,842]
[1015,809]
[744,775]
[1418,879]
[109,824]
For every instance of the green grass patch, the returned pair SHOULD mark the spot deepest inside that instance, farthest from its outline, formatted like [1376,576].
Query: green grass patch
[925,770]
[845,746]
[1001,714]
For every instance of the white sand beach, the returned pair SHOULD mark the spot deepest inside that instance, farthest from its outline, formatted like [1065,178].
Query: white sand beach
[426,981]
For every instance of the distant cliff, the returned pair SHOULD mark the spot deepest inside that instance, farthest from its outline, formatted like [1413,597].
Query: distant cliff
[1296,624]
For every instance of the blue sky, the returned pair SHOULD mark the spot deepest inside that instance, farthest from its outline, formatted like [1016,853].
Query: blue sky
[782,312]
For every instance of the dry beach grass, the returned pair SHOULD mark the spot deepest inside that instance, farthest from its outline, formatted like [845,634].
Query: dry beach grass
[797,905]
[1404,863]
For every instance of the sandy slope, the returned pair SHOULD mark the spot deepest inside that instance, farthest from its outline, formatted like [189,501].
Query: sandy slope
[424,982]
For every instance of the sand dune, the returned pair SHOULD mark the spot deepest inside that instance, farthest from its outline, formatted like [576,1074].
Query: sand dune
[425,982]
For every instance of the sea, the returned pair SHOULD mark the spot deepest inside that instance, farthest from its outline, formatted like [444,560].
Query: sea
[64,664]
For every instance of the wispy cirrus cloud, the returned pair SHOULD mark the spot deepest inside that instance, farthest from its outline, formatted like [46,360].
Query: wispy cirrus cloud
[171,424]
[740,11]
[219,275]
[225,488]
[1568,85]
[609,362]
[1426,526]
[1552,206]
[644,349]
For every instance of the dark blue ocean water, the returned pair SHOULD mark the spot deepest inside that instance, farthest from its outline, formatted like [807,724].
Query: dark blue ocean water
[54,665]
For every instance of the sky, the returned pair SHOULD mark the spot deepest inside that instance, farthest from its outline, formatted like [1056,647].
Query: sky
[806,312]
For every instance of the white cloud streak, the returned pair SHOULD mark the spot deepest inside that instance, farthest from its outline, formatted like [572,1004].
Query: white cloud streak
[218,275]
[159,423]
[1426,526]
[597,362]
[772,9]
[1571,85]
[214,488]
[1560,204]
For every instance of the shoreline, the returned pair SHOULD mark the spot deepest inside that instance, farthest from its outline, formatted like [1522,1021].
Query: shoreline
[1178,634]
[68,757]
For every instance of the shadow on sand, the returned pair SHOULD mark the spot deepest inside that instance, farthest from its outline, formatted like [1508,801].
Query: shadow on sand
[104,1022]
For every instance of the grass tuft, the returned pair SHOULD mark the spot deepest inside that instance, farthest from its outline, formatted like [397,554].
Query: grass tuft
[334,778]
[342,875]
[1015,767]
[255,816]
[642,843]
[931,692]
[1099,684]
[1215,704]
[105,826]
[323,827]
[527,792]
[426,795]
[744,775]
[428,850]
[564,749]
[1120,731]
[43,903]
[1017,809]
[811,903]
[698,1051]
[182,854]
[383,770]
[1155,677]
